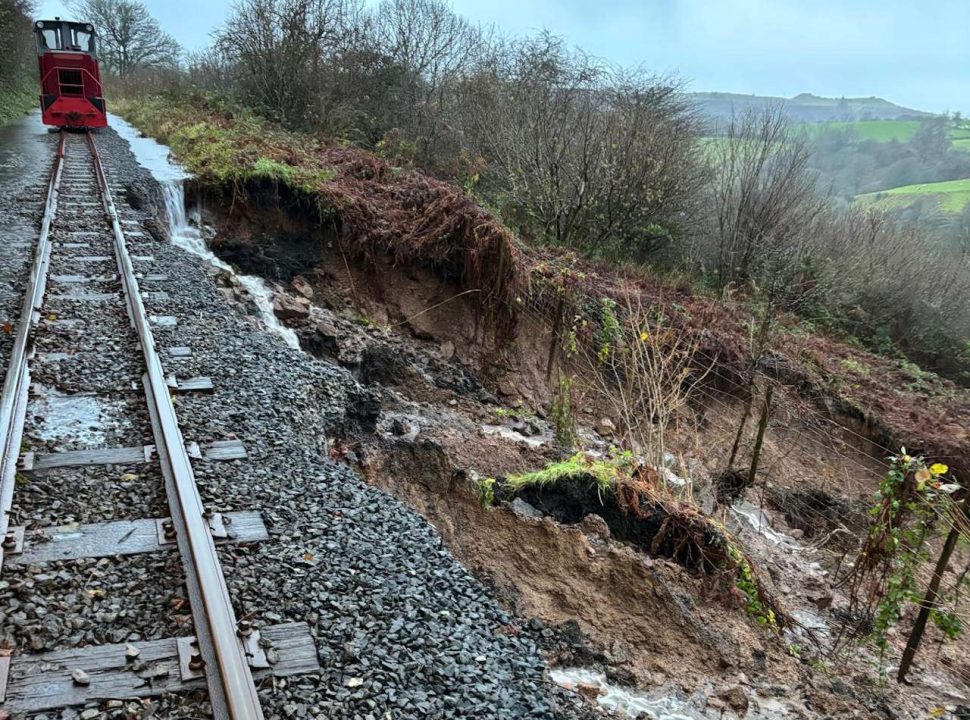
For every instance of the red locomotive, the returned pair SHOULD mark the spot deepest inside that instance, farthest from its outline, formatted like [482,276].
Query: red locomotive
[70,83]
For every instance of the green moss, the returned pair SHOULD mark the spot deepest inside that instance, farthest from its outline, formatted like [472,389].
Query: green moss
[564,421]
[485,489]
[273,170]
[916,372]
[747,584]
[853,365]
[519,412]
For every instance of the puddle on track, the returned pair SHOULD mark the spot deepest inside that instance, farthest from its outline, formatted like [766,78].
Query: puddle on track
[23,145]
[78,421]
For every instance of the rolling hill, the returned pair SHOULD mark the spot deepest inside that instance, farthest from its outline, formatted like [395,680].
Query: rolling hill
[805,107]
[951,195]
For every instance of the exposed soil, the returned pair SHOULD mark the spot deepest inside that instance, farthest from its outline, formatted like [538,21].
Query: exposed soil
[626,602]
[455,408]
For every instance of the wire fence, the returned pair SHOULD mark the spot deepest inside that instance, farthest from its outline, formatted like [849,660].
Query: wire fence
[859,461]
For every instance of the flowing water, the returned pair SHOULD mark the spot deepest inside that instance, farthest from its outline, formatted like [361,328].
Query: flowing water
[809,621]
[185,225]
[759,521]
[623,702]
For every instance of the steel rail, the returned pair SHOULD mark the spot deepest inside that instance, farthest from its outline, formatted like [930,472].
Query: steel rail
[13,398]
[232,691]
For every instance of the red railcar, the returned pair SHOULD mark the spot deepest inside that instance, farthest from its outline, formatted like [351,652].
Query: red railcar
[70,83]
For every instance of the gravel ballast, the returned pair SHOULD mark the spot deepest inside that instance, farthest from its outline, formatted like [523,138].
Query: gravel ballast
[402,629]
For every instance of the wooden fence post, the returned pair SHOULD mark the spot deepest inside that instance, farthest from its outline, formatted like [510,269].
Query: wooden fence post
[762,427]
[929,602]
[555,343]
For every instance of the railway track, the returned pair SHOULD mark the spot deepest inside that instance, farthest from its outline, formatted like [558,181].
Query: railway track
[82,249]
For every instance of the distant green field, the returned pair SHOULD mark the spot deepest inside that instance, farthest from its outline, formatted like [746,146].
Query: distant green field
[886,131]
[952,195]
[961,138]
[880,130]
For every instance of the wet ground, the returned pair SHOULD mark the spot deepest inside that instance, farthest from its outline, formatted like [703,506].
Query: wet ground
[402,629]
[25,160]
[24,147]
[387,603]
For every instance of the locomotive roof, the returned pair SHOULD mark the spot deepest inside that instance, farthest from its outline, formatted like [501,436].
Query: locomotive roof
[58,21]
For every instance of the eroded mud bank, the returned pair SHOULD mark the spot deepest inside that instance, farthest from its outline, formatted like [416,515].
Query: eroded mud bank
[454,407]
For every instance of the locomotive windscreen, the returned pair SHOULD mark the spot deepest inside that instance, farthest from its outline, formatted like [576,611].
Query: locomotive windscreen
[60,35]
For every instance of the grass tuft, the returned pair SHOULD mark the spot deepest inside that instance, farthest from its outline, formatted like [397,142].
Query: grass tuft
[604,473]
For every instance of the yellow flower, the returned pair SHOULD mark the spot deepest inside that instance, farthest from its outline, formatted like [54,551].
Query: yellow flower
[939,469]
[644,336]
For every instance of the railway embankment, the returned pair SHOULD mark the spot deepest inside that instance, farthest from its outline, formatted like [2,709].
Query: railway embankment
[430,305]
[372,214]
[397,622]
[15,100]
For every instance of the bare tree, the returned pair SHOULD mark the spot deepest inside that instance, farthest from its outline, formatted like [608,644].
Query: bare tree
[586,154]
[130,38]
[762,193]
[283,51]
[430,48]
[427,39]
[875,268]
[643,368]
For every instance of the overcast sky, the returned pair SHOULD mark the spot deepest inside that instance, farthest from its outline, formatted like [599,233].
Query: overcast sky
[913,53]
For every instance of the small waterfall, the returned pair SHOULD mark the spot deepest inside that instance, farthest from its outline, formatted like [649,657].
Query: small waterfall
[186,227]
[183,234]
[760,522]
[187,231]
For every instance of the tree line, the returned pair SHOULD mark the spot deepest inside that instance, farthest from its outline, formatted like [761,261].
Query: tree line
[852,166]
[19,66]
[129,38]
[615,162]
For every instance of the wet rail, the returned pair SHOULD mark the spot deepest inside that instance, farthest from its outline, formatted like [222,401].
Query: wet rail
[222,650]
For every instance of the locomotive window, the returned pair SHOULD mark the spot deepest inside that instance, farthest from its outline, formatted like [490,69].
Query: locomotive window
[50,39]
[83,40]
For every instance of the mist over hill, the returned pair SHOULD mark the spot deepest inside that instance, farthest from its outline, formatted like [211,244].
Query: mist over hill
[805,107]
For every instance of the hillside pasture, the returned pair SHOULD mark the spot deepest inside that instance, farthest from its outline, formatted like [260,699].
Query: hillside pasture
[952,195]
[961,138]
[878,130]
[884,131]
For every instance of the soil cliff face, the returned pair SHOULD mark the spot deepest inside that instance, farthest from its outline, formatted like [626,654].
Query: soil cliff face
[640,611]
[456,407]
